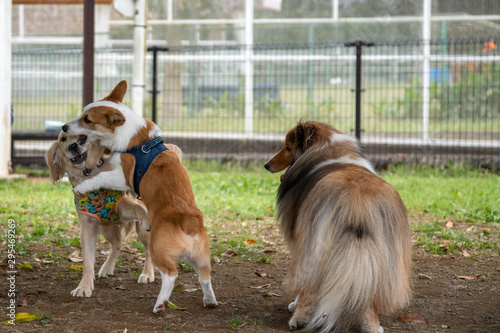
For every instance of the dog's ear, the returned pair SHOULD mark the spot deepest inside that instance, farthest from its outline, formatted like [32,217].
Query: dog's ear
[117,93]
[54,162]
[114,118]
[306,134]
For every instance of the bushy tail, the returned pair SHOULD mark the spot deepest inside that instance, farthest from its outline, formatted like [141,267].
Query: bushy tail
[355,254]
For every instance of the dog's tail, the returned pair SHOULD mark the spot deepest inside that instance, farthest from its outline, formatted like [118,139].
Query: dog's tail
[355,255]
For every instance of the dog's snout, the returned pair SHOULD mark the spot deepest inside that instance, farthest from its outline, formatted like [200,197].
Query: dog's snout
[65,128]
[267,166]
[73,147]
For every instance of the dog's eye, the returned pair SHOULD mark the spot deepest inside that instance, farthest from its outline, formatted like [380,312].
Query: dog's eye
[288,148]
[63,139]
[87,120]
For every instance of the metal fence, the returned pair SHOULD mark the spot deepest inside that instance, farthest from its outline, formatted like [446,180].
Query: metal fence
[420,102]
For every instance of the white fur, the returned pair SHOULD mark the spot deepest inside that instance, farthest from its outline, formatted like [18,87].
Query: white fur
[361,162]
[167,285]
[113,179]
[117,141]
[208,293]
[292,306]
[339,137]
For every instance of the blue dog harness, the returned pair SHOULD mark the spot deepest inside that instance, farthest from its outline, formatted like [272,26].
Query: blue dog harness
[144,155]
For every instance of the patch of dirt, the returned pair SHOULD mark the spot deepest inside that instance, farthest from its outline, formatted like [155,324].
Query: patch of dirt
[120,304]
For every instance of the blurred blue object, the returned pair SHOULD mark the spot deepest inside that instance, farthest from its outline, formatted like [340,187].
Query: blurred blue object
[53,125]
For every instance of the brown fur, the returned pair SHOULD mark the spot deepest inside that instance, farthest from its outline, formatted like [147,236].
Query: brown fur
[177,230]
[346,225]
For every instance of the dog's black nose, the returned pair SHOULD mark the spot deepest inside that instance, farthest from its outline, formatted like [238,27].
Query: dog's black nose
[266,166]
[65,128]
[73,147]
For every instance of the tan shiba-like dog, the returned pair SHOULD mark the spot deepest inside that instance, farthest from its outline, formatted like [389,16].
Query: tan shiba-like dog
[82,159]
[177,230]
[347,230]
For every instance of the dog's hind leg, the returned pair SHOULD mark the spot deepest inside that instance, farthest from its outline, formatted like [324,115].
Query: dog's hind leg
[200,261]
[89,230]
[113,235]
[370,322]
[304,310]
[148,273]
[168,273]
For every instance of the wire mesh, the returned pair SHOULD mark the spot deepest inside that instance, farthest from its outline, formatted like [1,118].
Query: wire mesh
[237,102]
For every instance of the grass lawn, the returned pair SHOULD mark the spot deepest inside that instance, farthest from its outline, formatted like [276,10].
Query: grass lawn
[451,210]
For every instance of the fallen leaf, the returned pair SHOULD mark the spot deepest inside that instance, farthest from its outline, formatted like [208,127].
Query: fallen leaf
[4,266]
[465,253]
[261,274]
[270,294]
[413,318]
[216,260]
[24,302]
[229,253]
[130,249]
[469,277]
[76,268]
[43,261]
[75,256]
[24,266]
[269,252]
[449,224]
[263,286]
[22,316]
[270,242]
[174,307]
[250,241]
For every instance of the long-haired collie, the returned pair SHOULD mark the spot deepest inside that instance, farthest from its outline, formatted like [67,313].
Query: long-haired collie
[347,230]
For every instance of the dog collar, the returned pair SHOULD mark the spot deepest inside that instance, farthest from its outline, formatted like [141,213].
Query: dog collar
[87,171]
[145,154]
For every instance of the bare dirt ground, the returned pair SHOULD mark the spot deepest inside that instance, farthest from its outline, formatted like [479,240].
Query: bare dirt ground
[119,304]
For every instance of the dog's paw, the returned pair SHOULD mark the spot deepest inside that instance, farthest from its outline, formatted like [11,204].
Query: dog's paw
[159,307]
[295,325]
[82,292]
[105,271]
[146,278]
[145,225]
[210,304]
[79,189]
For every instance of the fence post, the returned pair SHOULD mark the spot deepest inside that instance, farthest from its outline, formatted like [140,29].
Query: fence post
[88,52]
[155,83]
[359,45]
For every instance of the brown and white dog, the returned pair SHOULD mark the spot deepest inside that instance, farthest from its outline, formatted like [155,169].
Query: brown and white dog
[347,230]
[82,159]
[177,230]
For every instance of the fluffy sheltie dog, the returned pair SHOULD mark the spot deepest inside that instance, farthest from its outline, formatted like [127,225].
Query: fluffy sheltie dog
[347,230]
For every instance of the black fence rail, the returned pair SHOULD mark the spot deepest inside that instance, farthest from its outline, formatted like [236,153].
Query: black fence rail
[412,102]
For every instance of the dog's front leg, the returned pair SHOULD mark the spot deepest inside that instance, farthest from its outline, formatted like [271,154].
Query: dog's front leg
[114,180]
[89,230]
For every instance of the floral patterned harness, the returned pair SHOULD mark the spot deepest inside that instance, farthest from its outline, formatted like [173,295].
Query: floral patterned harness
[101,204]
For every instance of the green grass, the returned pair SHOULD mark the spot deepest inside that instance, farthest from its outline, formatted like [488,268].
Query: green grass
[237,321]
[239,209]
[465,194]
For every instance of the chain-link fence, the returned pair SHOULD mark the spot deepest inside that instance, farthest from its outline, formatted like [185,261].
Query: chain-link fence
[421,102]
